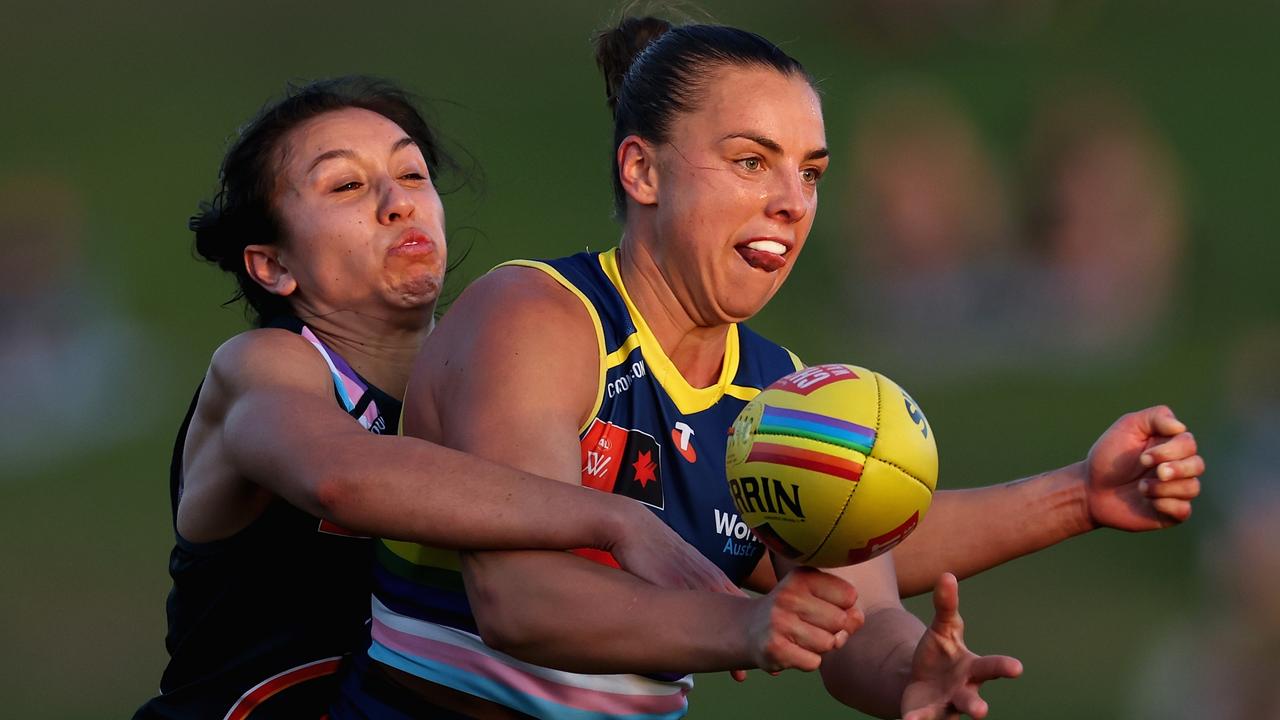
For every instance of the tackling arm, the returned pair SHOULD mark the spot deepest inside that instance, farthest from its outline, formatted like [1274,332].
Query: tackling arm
[266,424]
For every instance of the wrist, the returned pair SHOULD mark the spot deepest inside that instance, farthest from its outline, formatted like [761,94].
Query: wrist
[1075,498]
[614,521]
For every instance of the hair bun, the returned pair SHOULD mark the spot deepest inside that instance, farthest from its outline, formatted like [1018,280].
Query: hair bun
[617,48]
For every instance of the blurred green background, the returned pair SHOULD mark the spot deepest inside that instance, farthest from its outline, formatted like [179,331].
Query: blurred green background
[117,116]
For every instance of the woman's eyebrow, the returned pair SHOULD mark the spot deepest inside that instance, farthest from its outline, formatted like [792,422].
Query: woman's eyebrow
[771,144]
[331,155]
[348,153]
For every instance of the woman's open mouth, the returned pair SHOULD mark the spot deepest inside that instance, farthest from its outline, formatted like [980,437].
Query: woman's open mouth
[767,255]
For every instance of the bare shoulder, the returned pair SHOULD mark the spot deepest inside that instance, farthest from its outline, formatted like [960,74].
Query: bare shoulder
[260,360]
[258,365]
[515,336]
[513,312]
[267,357]
[515,298]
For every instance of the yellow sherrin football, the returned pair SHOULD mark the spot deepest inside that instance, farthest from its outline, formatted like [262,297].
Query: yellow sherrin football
[832,465]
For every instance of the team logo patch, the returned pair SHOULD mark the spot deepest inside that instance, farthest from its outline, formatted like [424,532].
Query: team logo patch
[622,461]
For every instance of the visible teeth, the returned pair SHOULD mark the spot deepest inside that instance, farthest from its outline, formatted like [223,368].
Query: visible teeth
[769,246]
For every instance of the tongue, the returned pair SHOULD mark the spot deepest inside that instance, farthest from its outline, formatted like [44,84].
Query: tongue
[761,260]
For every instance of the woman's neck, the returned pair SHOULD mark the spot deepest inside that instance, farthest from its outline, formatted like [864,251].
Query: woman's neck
[697,350]
[381,351]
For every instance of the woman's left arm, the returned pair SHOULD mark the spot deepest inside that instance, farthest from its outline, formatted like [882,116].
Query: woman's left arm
[1142,474]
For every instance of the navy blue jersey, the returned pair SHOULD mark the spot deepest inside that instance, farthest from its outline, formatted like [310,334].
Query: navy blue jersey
[655,438]
[651,437]
[259,621]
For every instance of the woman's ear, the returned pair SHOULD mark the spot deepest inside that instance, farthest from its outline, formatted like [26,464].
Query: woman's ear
[265,265]
[638,169]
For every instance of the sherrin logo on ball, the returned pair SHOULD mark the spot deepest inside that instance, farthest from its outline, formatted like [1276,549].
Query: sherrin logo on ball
[832,465]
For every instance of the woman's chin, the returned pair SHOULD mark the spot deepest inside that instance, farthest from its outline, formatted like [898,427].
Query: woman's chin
[417,290]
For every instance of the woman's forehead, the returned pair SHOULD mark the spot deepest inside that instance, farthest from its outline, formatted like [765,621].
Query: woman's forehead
[759,100]
[354,129]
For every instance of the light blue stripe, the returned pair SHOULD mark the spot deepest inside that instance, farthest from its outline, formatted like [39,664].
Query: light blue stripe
[815,417]
[819,428]
[490,689]
[342,391]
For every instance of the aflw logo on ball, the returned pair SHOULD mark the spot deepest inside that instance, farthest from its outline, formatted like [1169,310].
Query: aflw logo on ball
[810,379]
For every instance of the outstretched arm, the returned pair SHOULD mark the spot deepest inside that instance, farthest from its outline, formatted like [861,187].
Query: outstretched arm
[895,666]
[1141,474]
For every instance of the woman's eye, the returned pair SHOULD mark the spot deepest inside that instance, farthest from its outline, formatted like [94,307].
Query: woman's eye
[751,163]
[811,175]
[347,187]
[415,175]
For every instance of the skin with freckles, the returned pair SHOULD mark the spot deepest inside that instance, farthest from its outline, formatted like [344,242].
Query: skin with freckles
[361,218]
[734,172]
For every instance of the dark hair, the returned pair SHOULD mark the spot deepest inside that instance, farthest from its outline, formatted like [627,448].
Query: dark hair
[654,71]
[240,213]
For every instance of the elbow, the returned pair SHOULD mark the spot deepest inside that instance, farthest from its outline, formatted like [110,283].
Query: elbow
[864,702]
[495,632]
[495,614]
[333,496]
[862,683]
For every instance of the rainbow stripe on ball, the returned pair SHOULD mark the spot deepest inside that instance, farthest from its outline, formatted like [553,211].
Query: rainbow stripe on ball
[780,423]
[814,426]
[795,457]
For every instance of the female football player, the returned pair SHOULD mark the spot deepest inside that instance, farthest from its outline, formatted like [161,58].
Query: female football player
[329,219]
[622,370]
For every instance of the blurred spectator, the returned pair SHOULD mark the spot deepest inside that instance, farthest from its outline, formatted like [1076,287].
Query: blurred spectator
[931,230]
[1105,222]
[947,285]
[1223,662]
[69,360]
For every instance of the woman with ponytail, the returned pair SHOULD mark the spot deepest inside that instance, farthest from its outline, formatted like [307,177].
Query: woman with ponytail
[621,370]
[329,220]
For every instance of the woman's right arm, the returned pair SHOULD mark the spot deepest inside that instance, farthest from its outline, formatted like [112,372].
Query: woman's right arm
[267,420]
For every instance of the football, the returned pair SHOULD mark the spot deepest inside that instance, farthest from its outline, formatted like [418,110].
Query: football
[832,465]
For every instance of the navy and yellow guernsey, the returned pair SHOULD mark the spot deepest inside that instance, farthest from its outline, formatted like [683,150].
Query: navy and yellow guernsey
[652,437]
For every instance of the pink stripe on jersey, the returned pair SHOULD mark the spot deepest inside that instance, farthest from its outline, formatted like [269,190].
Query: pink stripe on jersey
[370,415]
[472,662]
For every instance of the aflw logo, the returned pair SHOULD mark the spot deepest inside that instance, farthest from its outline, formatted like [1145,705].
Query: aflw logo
[597,463]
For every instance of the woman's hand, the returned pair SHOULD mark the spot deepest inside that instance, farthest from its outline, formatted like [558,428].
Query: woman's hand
[945,674]
[647,548]
[806,615]
[1143,472]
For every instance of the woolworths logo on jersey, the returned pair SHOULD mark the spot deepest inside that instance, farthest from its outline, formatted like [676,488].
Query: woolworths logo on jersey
[740,540]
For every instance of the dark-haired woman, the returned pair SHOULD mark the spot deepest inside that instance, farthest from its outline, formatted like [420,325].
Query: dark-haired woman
[329,219]
[621,371]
